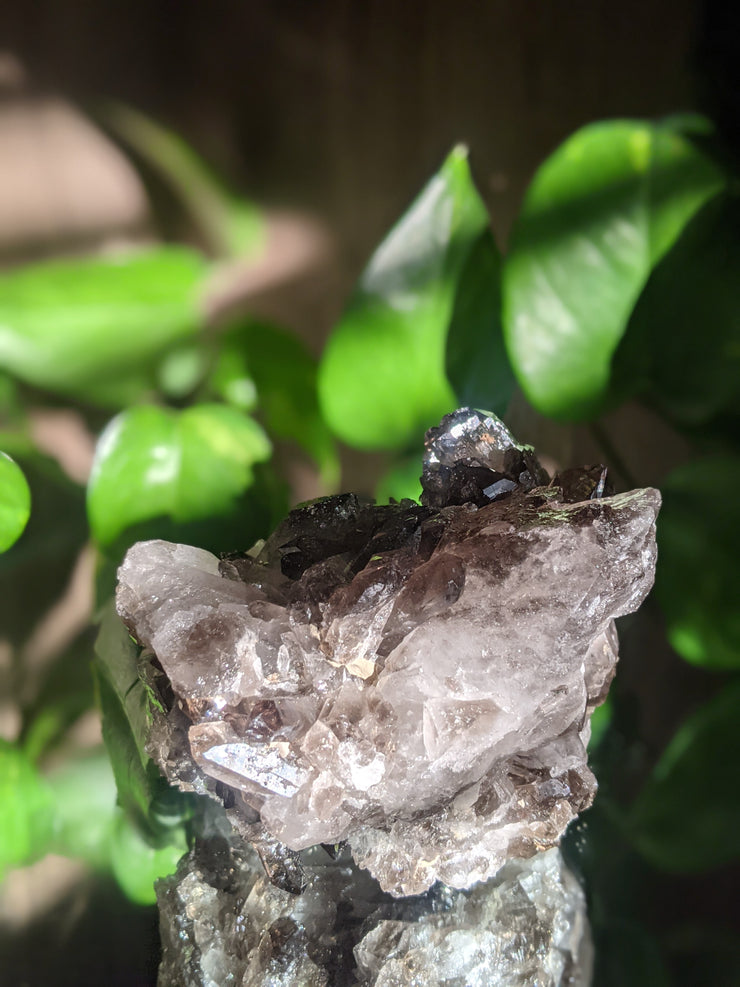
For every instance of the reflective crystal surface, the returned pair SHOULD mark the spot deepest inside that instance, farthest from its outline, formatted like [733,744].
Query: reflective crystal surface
[415,680]
[223,922]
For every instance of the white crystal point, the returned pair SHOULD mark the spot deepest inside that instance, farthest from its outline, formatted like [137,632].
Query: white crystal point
[415,680]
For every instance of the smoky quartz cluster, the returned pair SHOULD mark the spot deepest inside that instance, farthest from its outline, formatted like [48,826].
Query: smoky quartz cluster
[411,681]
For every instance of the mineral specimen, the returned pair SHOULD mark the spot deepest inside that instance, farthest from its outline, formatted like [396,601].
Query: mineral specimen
[414,680]
[223,922]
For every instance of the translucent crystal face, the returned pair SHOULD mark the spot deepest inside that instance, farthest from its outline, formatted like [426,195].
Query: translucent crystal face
[415,680]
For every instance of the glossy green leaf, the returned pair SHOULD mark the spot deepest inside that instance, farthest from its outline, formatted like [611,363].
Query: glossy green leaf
[86,327]
[257,361]
[598,216]
[137,778]
[382,381]
[230,225]
[686,325]
[15,502]
[137,864]
[187,465]
[253,515]
[687,818]
[698,581]
[477,363]
[157,811]
[26,819]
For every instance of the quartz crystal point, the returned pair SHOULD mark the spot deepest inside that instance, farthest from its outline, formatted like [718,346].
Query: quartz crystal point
[222,922]
[414,680]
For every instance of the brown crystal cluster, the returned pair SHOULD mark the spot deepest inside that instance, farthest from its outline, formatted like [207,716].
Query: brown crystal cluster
[413,680]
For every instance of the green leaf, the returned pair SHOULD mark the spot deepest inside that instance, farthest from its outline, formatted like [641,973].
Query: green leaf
[687,818]
[282,375]
[85,327]
[137,778]
[84,794]
[477,363]
[600,720]
[687,321]
[230,378]
[188,465]
[35,569]
[598,216]
[181,370]
[90,827]
[403,480]
[231,225]
[137,864]
[697,581]
[15,502]
[254,515]
[382,380]
[126,707]
[26,819]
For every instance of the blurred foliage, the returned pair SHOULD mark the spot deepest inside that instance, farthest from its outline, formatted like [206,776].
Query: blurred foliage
[621,281]
[15,502]
[87,329]
[699,545]
[187,464]
[382,378]
[689,773]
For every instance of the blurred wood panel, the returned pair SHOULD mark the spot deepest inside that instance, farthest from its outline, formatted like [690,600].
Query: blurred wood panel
[346,107]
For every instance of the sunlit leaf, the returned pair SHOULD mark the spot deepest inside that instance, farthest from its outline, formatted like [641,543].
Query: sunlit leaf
[187,465]
[137,864]
[85,327]
[253,515]
[697,581]
[382,381]
[477,363]
[15,502]
[26,819]
[598,216]
[687,818]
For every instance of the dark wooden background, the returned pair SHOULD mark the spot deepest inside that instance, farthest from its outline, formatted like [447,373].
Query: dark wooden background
[345,108]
